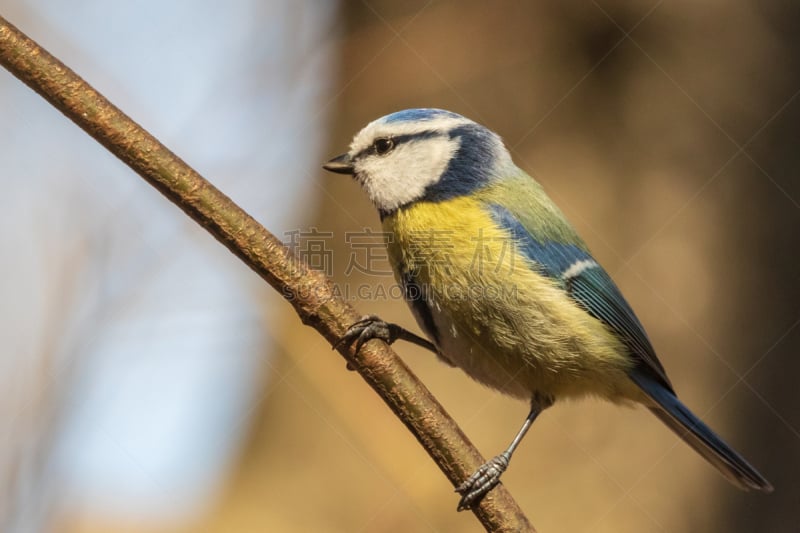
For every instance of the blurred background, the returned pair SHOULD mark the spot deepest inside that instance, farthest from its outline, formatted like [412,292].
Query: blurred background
[153,384]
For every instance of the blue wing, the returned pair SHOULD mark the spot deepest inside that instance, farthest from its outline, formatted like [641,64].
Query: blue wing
[585,281]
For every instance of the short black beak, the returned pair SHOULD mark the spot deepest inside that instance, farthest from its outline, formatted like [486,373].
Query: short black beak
[340,165]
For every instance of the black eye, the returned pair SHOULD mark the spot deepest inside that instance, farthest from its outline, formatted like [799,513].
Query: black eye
[383,145]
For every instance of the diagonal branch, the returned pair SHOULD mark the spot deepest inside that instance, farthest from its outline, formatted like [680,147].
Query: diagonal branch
[310,292]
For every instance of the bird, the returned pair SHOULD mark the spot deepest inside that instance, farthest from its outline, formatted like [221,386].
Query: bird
[502,285]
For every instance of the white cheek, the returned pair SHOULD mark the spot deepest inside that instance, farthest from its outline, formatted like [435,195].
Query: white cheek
[403,175]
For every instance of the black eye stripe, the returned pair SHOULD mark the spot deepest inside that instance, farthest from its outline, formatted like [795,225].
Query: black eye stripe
[400,139]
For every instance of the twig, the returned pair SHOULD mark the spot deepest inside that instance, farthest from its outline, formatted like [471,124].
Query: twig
[310,292]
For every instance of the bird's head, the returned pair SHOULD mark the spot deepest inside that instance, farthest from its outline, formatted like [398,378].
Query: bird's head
[422,155]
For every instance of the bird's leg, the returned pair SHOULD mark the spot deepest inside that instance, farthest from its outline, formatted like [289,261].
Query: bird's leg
[488,475]
[372,327]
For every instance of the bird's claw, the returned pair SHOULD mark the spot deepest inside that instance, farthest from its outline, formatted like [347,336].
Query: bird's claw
[368,328]
[482,481]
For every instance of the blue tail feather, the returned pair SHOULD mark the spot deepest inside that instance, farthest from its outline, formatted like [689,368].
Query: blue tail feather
[699,436]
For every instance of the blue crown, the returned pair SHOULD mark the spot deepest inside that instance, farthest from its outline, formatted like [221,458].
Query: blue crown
[413,115]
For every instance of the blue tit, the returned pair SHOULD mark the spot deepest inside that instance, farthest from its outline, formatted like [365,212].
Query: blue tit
[503,286]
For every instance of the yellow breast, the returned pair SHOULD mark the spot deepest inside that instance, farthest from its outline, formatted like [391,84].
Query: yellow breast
[501,321]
